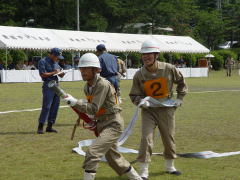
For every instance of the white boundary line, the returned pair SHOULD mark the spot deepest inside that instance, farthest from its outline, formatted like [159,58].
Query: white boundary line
[26,110]
[38,109]
[236,90]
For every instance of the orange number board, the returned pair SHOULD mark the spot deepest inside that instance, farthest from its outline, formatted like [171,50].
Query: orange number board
[156,88]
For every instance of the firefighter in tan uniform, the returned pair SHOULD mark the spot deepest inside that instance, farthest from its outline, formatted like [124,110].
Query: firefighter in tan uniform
[102,104]
[156,79]
[229,63]
[121,71]
[121,66]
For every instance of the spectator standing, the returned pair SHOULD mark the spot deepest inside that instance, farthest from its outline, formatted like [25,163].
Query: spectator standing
[76,61]
[19,65]
[25,65]
[129,63]
[238,65]
[48,67]
[64,65]
[11,66]
[109,65]
[31,66]
[67,66]
[181,63]
[229,64]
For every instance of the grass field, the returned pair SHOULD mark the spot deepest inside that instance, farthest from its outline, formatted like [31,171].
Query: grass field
[206,121]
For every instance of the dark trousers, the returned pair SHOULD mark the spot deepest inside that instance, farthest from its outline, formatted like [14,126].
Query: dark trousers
[114,81]
[50,106]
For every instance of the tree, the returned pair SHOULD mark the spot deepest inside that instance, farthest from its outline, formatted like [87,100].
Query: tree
[210,22]
[231,16]
[209,30]
[7,12]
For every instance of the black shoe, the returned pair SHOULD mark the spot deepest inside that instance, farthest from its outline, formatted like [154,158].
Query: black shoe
[40,128]
[177,173]
[50,129]
[144,178]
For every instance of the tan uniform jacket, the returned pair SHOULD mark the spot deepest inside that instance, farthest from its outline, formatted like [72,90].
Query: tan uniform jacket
[103,99]
[122,67]
[102,104]
[229,62]
[166,70]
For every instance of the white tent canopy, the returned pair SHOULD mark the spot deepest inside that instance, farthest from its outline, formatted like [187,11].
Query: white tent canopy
[209,56]
[44,39]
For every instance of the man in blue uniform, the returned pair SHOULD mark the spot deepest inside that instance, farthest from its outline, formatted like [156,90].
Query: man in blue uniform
[48,70]
[109,65]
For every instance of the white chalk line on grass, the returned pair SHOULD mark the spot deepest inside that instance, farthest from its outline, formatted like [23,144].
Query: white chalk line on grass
[234,90]
[26,110]
[38,109]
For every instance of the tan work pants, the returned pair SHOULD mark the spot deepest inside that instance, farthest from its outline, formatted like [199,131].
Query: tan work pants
[164,119]
[105,144]
[229,70]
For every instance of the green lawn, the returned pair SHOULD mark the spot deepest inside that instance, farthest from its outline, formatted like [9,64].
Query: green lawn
[206,121]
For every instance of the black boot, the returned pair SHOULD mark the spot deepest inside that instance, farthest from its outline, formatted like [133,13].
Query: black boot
[50,129]
[177,173]
[40,128]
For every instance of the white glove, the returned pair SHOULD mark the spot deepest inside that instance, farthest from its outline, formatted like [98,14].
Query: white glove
[144,104]
[178,102]
[71,101]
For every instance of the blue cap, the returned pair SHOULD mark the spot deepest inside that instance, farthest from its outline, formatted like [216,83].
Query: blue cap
[57,52]
[101,47]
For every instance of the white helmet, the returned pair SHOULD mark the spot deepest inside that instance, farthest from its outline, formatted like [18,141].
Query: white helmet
[150,46]
[89,60]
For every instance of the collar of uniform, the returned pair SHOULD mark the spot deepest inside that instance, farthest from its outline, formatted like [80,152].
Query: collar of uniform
[86,87]
[95,80]
[160,66]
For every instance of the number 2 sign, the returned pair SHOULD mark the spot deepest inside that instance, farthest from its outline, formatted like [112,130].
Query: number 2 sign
[156,88]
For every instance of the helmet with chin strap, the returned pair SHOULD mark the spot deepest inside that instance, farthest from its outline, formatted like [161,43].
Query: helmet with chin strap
[89,60]
[150,46]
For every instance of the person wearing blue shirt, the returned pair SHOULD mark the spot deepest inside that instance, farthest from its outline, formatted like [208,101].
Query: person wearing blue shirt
[48,68]
[1,68]
[109,65]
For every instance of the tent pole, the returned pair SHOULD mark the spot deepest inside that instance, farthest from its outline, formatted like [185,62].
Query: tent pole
[73,66]
[6,63]
[171,58]
[72,53]
[191,66]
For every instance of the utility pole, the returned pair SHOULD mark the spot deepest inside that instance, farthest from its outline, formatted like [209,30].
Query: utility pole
[78,21]
[219,5]
[78,29]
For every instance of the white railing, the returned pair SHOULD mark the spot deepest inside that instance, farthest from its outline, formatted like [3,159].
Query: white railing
[8,76]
